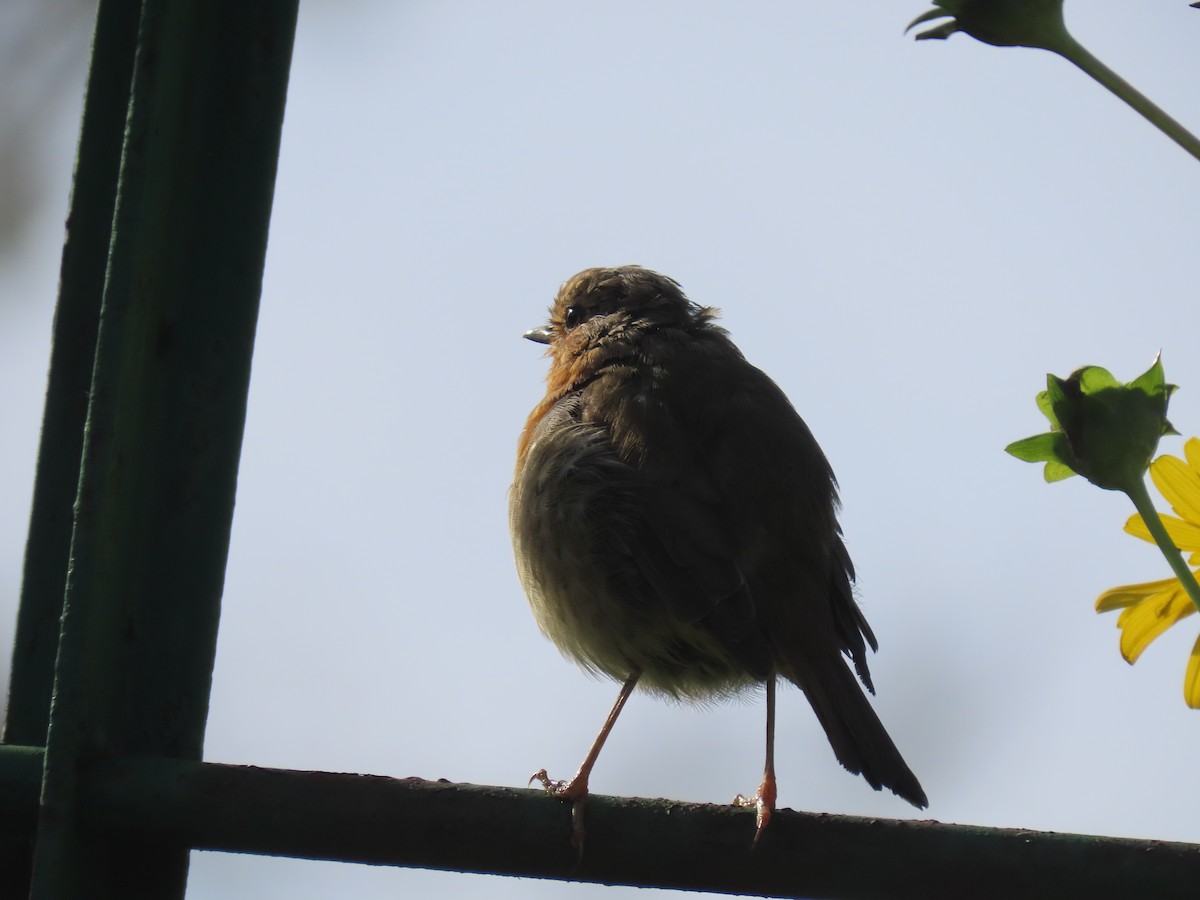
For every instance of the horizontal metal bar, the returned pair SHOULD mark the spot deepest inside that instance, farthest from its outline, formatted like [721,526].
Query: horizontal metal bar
[659,843]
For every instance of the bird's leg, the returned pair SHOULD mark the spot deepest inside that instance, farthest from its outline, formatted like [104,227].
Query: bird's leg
[764,799]
[576,790]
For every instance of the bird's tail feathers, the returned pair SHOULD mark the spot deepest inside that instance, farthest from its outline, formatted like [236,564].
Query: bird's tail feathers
[859,740]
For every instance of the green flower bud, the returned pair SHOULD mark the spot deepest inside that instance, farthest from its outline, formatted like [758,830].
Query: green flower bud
[1101,429]
[1003,23]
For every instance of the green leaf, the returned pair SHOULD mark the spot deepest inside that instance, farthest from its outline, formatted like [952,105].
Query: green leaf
[1093,379]
[1039,448]
[1057,471]
[1047,448]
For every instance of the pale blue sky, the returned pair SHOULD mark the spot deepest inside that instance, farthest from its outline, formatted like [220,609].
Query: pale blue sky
[906,236]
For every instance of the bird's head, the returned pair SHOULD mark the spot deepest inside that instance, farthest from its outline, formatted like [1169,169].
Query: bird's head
[606,315]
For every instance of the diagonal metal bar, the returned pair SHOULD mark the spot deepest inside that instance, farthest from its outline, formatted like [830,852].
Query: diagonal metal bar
[164,423]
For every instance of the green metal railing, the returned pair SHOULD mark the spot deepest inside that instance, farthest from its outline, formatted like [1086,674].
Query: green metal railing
[102,789]
[137,469]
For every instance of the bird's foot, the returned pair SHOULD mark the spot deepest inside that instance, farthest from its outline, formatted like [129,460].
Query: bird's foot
[575,792]
[575,789]
[763,802]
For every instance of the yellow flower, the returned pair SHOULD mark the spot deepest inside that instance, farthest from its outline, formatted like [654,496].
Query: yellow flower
[1149,609]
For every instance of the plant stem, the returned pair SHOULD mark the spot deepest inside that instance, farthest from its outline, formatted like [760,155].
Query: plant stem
[1070,49]
[1141,499]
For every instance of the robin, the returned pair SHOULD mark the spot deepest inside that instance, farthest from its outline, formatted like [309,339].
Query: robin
[673,521]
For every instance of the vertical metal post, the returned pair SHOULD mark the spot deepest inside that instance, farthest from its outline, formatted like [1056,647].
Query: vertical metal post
[76,318]
[164,423]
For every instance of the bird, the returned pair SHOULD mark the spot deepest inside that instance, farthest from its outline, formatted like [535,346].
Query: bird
[674,525]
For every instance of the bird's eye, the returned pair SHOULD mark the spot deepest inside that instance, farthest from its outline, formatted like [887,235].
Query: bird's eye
[574,316]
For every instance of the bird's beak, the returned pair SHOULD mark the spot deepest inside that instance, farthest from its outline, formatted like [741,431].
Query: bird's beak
[539,335]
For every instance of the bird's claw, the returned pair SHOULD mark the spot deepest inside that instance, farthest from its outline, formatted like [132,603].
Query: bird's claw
[547,782]
[764,804]
[574,792]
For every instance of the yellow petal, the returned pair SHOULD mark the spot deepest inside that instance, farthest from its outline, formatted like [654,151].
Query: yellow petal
[1150,618]
[1184,535]
[1191,680]
[1137,527]
[1192,451]
[1180,484]
[1129,594]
